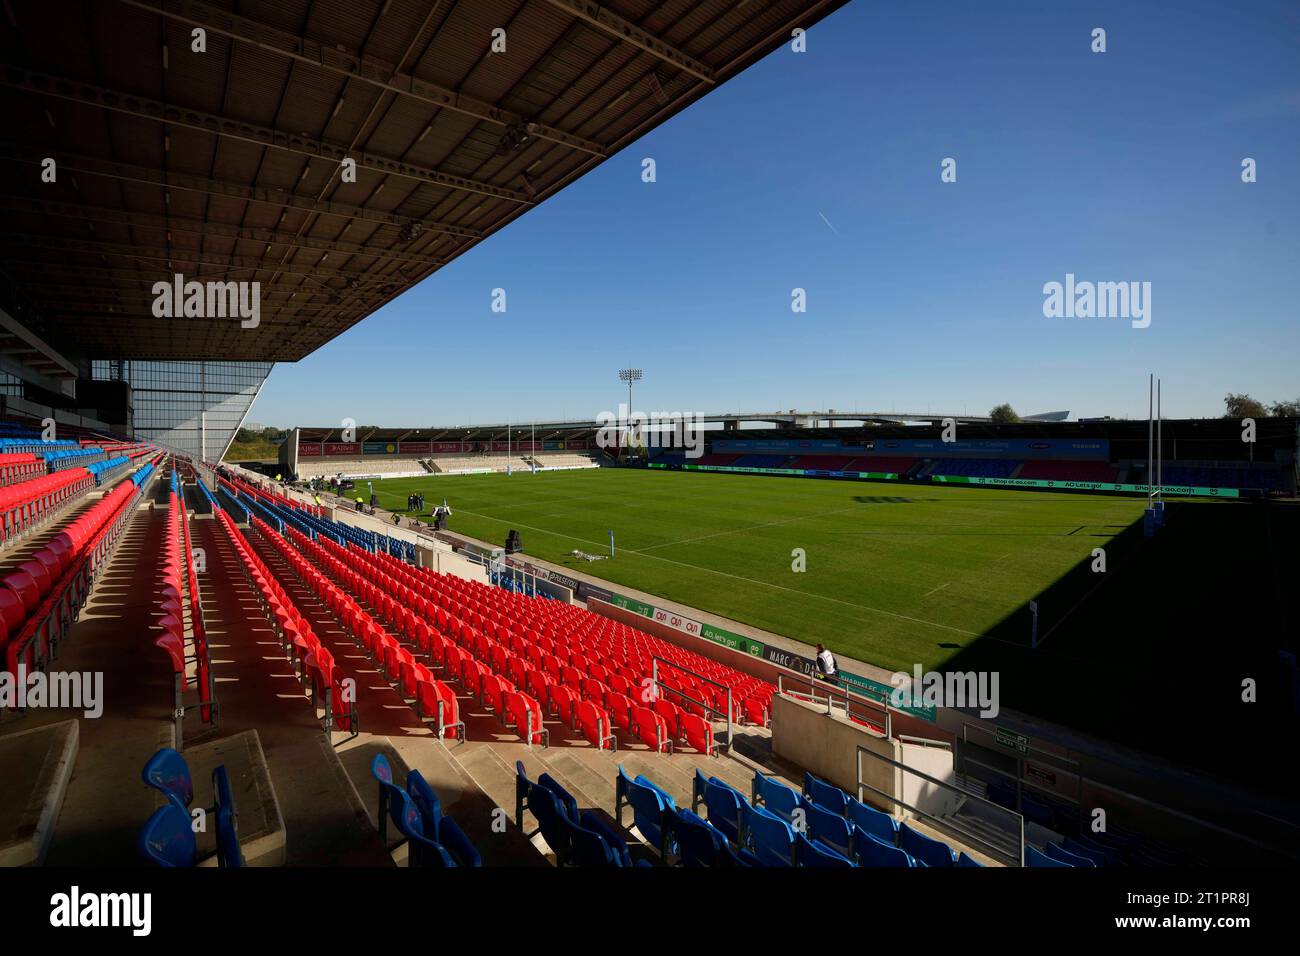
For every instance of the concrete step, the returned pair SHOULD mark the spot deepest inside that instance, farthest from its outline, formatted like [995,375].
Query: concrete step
[675,780]
[468,793]
[592,775]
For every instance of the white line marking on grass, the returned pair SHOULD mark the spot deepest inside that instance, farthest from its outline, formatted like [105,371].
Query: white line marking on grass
[737,577]
[939,588]
[755,527]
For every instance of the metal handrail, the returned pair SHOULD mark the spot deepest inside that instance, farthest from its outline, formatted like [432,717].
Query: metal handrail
[654,672]
[991,848]
[849,697]
[1021,781]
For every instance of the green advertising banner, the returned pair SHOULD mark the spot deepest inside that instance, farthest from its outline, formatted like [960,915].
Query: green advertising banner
[747,645]
[628,604]
[1191,490]
[1183,490]
[734,641]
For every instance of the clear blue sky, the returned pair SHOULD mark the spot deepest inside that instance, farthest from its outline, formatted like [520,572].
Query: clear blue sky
[921,295]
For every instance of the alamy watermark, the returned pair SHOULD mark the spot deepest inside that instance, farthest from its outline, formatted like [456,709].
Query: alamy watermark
[208,300]
[59,690]
[960,689]
[651,430]
[1098,300]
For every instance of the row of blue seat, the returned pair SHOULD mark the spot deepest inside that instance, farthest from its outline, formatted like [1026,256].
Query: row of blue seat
[576,838]
[34,446]
[100,469]
[432,838]
[228,502]
[141,475]
[207,493]
[59,459]
[167,838]
[1114,847]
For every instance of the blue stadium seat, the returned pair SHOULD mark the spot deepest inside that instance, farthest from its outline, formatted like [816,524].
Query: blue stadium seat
[550,815]
[650,808]
[613,839]
[1036,811]
[167,838]
[815,853]
[770,838]
[1065,856]
[872,851]
[964,860]
[390,795]
[774,795]
[698,843]
[826,794]
[168,772]
[422,851]
[928,850]
[1002,794]
[1100,855]
[567,803]
[873,821]
[587,848]
[452,839]
[425,800]
[827,827]
[725,804]
[228,852]
[1035,858]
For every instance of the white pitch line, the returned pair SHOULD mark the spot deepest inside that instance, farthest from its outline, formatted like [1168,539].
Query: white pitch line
[939,588]
[737,577]
[754,527]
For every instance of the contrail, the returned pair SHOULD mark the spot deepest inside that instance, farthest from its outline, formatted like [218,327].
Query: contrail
[828,222]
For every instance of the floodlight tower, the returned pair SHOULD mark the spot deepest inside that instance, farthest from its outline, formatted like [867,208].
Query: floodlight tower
[629,375]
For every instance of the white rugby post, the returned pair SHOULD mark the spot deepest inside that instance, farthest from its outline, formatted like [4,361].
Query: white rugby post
[1150,436]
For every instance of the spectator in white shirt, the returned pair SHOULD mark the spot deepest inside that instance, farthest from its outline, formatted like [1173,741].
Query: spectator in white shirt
[825,663]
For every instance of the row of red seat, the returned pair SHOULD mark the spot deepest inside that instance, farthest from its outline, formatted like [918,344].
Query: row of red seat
[40,600]
[589,637]
[20,466]
[433,698]
[509,672]
[313,660]
[27,504]
[177,574]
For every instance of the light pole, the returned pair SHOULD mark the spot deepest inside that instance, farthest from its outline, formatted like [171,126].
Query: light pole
[629,375]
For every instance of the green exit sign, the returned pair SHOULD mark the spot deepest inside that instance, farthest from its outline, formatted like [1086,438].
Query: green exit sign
[1012,740]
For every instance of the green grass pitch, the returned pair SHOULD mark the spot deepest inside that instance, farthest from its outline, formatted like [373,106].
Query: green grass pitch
[895,574]
[899,574]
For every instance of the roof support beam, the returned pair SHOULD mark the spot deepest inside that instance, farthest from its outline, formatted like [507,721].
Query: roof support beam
[628,32]
[141,107]
[363,69]
[13,327]
[94,247]
[21,153]
[181,224]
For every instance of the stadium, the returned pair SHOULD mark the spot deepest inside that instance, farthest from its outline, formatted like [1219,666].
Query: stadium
[493,634]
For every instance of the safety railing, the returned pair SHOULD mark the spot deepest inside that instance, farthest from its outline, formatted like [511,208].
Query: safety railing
[877,715]
[1250,845]
[660,688]
[1012,851]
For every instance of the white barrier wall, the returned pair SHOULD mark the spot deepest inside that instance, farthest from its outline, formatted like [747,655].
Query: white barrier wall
[936,762]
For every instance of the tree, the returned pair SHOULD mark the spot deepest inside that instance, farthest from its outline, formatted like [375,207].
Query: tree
[1004,414]
[1243,406]
[1286,409]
